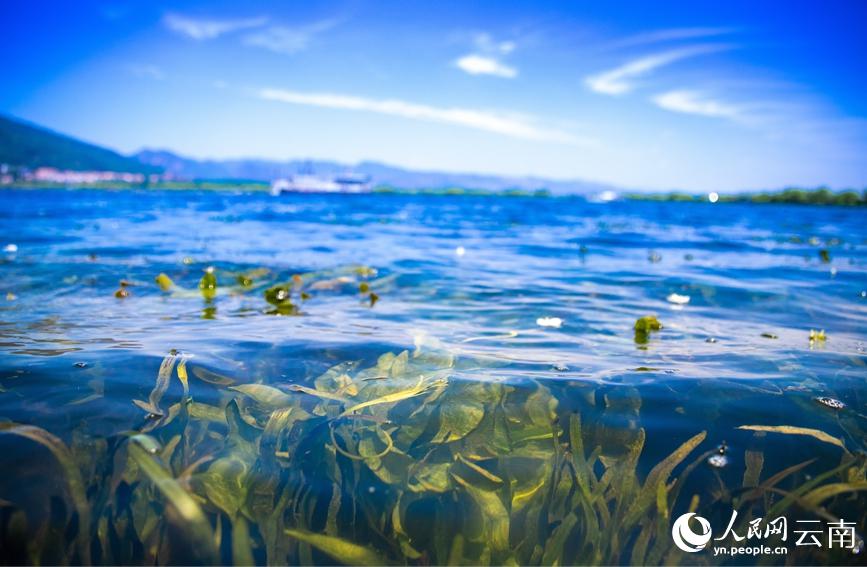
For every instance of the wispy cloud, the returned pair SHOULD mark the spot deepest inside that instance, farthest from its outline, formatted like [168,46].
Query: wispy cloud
[695,102]
[146,71]
[485,60]
[205,28]
[620,79]
[671,34]
[482,65]
[287,40]
[515,127]
[485,43]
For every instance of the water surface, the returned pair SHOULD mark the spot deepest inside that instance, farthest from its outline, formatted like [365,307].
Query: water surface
[464,279]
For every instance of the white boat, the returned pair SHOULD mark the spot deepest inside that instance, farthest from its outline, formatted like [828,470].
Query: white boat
[310,183]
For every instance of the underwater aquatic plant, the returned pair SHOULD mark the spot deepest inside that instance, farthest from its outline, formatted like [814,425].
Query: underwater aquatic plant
[401,462]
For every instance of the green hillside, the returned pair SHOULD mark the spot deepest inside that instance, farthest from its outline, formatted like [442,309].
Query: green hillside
[25,145]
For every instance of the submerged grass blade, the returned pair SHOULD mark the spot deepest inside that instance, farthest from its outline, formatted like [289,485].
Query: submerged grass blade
[164,376]
[819,495]
[342,550]
[196,525]
[791,430]
[74,482]
[659,476]
[416,390]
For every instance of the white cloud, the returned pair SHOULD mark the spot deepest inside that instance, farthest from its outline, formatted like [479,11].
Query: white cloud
[694,102]
[287,40]
[515,127]
[486,58]
[202,28]
[482,65]
[619,80]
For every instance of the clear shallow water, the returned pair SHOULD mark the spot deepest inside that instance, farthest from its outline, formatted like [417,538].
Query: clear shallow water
[74,356]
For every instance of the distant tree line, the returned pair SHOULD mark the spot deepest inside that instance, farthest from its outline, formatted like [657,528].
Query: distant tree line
[790,195]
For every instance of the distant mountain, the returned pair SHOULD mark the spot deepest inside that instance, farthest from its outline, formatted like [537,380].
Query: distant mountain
[264,170]
[27,145]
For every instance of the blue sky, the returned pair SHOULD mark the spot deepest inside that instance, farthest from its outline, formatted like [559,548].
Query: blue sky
[651,95]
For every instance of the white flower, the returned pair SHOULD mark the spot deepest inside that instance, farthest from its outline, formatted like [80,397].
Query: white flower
[555,322]
[678,299]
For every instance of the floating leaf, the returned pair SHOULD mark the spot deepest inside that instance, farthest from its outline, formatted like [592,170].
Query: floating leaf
[164,282]
[644,326]
[208,284]
[647,324]
[817,336]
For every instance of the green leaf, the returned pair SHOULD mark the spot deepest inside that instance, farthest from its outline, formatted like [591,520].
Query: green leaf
[208,284]
[224,484]
[819,495]
[162,384]
[494,514]
[164,282]
[264,395]
[194,522]
[72,474]
[458,417]
[342,550]
[792,430]
[659,476]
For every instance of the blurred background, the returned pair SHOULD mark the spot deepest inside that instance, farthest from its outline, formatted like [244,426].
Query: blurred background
[573,97]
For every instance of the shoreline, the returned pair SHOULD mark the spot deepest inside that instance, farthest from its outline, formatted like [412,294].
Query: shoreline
[792,196]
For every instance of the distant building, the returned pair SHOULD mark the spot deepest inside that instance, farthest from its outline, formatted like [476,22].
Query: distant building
[53,175]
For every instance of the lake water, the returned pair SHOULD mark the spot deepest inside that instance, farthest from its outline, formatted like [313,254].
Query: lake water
[522,425]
